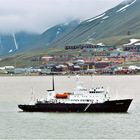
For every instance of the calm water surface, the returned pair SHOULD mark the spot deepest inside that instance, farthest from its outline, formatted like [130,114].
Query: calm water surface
[15,124]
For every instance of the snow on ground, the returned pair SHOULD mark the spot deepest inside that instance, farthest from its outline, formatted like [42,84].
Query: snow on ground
[137,44]
[126,6]
[101,44]
[133,67]
[133,41]
[92,19]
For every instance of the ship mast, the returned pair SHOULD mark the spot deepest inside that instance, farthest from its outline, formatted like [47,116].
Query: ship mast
[53,82]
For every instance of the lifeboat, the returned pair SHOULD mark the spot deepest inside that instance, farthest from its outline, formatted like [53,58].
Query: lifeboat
[62,95]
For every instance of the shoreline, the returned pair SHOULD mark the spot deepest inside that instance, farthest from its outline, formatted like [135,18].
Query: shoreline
[36,75]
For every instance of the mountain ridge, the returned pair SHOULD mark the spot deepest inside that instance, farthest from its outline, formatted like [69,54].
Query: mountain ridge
[22,41]
[117,21]
[112,27]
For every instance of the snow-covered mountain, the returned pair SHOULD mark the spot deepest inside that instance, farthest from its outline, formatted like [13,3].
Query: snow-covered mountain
[21,42]
[59,31]
[122,21]
[16,42]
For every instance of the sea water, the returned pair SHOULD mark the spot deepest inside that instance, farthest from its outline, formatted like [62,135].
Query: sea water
[15,124]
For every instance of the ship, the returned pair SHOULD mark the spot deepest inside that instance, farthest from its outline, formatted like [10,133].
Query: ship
[80,100]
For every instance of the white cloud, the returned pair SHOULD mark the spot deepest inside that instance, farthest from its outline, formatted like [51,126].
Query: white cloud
[38,15]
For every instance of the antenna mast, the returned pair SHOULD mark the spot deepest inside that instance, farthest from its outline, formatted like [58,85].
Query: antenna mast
[53,82]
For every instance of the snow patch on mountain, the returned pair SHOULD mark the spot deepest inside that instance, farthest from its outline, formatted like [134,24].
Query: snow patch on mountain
[97,17]
[126,6]
[58,32]
[105,17]
[123,10]
[16,45]
[10,51]
[132,41]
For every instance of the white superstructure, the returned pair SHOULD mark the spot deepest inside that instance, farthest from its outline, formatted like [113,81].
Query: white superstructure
[80,95]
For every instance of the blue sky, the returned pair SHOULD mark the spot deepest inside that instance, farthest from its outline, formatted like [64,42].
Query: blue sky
[38,15]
